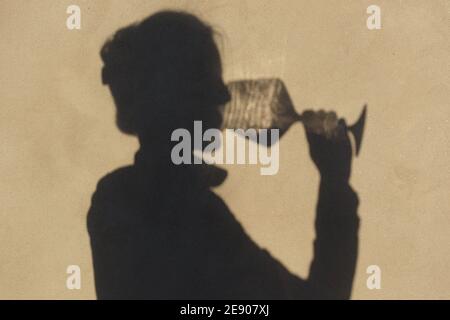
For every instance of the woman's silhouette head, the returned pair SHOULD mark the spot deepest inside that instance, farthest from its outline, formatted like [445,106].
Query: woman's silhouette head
[164,73]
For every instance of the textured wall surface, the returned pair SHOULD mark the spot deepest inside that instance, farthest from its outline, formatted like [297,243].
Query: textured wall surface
[58,135]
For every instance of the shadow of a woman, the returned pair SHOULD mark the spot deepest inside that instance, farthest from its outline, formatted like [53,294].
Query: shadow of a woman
[157,230]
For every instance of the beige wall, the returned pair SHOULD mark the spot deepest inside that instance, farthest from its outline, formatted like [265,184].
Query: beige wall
[58,135]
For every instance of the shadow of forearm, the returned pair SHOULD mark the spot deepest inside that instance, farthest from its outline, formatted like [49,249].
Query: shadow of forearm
[336,245]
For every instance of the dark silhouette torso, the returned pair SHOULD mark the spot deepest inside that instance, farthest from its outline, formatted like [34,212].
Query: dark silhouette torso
[165,238]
